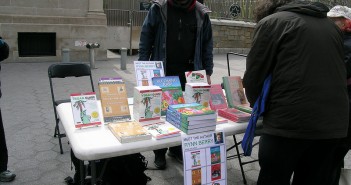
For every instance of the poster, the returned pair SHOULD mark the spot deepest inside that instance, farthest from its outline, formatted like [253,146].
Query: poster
[205,159]
[146,70]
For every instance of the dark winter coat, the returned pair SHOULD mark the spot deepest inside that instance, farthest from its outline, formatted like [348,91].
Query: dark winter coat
[303,50]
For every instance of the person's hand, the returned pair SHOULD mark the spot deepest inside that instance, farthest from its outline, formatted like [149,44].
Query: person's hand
[208,79]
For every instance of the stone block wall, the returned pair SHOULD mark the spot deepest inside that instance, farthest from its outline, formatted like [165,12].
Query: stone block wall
[232,36]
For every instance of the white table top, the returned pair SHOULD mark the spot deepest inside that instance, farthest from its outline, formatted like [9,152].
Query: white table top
[99,142]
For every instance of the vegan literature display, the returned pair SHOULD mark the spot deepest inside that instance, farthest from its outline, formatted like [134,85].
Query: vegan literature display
[85,109]
[197,93]
[234,90]
[171,91]
[162,130]
[127,132]
[146,70]
[234,115]
[147,103]
[217,98]
[192,118]
[196,76]
[114,100]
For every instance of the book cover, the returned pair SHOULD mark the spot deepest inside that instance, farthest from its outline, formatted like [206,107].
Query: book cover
[196,76]
[130,131]
[215,154]
[217,98]
[192,111]
[234,115]
[171,91]
[245,108]
[147,103]
[146,70]
[114,100]
[196,176]
[234,90]
[196,158]
[85,109]
[216,172]
[197,93]
[162,130]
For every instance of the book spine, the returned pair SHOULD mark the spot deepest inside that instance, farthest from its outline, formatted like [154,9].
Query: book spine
[228,116]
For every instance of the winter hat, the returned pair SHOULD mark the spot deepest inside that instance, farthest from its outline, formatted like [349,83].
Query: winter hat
[340,11]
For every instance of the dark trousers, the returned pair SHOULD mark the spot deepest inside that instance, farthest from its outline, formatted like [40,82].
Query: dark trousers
[308,161]
[3,147]
[174,149]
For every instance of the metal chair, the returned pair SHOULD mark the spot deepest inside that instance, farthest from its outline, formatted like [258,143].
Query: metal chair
[63,70]
[236,143]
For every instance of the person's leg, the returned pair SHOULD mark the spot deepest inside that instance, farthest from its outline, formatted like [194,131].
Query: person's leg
[160,158]
[339,163]
[277,158]
[316,165]
[176,152]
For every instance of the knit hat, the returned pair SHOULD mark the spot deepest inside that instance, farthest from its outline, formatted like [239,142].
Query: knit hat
[340,11]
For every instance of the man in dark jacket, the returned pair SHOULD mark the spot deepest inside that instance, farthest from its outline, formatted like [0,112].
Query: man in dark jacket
[307,108]
[5,175]
[179,33]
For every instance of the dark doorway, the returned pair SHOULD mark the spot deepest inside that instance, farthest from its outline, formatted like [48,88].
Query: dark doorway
[36,44]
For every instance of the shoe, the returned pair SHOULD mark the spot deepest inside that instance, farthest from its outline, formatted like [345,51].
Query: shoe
[7,176]
[160,161]
[178,156]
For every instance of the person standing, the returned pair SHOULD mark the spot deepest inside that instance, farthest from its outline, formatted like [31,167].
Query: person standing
[179,33]
[5,174]
[341,15]
[307,107]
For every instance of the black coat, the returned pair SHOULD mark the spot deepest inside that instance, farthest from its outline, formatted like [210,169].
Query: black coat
[303,50]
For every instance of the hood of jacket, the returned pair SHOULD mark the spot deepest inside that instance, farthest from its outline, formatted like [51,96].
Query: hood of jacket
[204,9]
[315,9]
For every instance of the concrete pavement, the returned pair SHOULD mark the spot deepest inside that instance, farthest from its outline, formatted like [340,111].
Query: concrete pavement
[29,123]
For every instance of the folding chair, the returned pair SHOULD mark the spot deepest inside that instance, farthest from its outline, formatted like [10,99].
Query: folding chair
[236,143]
[63,70]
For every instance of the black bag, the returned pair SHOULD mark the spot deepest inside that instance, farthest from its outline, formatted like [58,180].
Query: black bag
[128,169]
[4,50]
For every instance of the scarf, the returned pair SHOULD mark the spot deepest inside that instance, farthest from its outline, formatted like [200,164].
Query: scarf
[187,5]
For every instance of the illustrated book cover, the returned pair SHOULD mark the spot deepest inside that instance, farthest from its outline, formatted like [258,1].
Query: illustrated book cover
[196,176]
[196,76]
[216,172]
[171,91]
[197,93]
[217,98]
[147,103]
[215,154]
[162,130]
[85,109]
[114,100]
[127,132]
[234,115]
[146,70]
[234,91]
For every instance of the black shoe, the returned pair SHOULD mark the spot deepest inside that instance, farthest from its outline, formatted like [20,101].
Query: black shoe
[7,176]
[160,161]
[178,156]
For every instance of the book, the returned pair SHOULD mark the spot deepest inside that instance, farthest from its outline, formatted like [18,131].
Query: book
[192,111]
[216,172]
[221,120]
[234,91]
[245,108]
[171,91]
[196,76]
[85,109]
[147,103]
[196,176]
[215,154]
[127,132]
[234,115]
[146,70]
[197,93]
[162,130]
[217,98]
[114,100]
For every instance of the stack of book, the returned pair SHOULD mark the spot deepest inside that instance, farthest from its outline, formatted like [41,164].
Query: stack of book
[147,104]
[197,93]
[130,131]
[234,114]
[192,118]
[244,107]
[162,130]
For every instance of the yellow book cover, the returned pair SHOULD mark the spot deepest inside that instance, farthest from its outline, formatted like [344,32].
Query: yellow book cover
[129,131]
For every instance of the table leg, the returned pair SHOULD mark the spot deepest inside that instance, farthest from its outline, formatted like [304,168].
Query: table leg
[93,172]
[81,166]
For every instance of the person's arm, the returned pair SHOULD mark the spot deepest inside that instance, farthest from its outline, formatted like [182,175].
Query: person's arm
[207,48]
[347,50]
[148,33]
[259,61]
